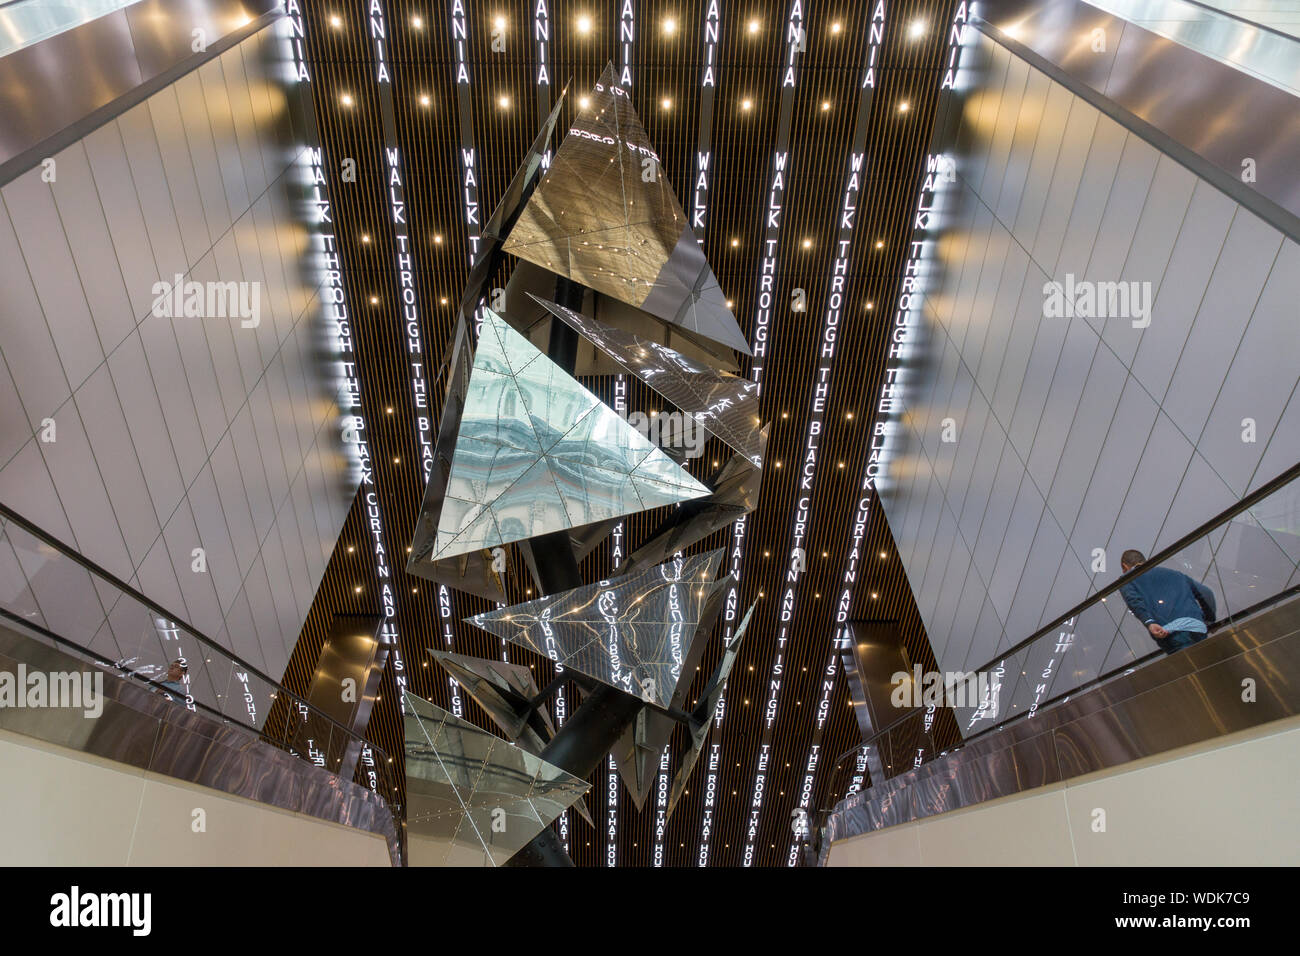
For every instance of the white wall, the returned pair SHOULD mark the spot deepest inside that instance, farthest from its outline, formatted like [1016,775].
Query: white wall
[59,807]
[1074,434]
[174,434]
[1229,802]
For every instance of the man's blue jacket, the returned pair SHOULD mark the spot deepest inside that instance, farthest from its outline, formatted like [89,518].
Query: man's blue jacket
[1162,595]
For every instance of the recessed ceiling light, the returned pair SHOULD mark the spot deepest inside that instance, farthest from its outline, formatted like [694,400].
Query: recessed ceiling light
[670,26]
[365,238]
[357,589]
[916,29]
[336,22]
[870,306]
[346,99]
[437,239]
[389,409]
[499,23]
[584,24]
[746,104]
[374,300]
[731,303]
[584,102]
[503,101]
[807,243]
[735,243]
[836,27]
[417,21]
[826,104]
[903,107]
[425,100]
[880,243]
[754,26]
[666,103]
[443,300]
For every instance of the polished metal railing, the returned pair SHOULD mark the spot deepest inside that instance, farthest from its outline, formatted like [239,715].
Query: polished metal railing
[1248,555]
[56,594]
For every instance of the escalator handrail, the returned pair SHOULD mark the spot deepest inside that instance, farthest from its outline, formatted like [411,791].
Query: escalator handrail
[8,514]
[1224,516]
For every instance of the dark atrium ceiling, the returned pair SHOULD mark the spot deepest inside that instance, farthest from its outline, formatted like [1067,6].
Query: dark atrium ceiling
[787,713]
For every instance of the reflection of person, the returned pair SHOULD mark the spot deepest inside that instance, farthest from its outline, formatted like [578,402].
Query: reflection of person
[175,681]
[1175,609]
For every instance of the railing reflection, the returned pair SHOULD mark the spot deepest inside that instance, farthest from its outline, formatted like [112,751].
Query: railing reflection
[55,594]
[1249,556]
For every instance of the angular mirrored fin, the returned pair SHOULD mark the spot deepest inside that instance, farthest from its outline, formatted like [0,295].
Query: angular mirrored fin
[472,798]
[507,211]
[505,692]
[702,717]
[534,322]
[724,405]
[534,452]
[634,633]
[735,493]
[605,216]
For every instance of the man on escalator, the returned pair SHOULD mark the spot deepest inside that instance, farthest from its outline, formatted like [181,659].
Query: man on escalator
[1176,609]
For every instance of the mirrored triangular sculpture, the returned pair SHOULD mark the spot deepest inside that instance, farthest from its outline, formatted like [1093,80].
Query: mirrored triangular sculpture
[702,717]
[507,211]
[633,633]
[472,798]
[538,453]
[638,750]
[724,405]
[506,692]
[605,217]
[735,493]
[534,322]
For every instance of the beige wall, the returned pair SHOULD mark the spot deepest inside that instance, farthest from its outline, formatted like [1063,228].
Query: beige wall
[61,807]
[1233,801]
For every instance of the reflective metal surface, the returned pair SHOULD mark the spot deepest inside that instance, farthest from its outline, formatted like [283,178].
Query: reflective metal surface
[604,216]
[149,730]
[1272,57]
[1192,696]
[634,633]
[120,58]
[473,798]
[538,453]
[735,493]
[724,405]
[504,690]
[1207,115]
[703,714]
[637,752]
[524,313]
[507,212]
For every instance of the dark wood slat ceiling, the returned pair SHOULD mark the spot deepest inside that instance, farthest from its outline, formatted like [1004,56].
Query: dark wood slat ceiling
[423,63]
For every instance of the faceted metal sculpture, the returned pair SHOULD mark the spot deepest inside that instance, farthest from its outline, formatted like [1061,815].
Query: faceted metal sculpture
[724,405]
[472,798]
[534,322]
[633,633]
[507,212]
[637,753]
[702,716]
[505,691]
[604,216]
[735,494]
[539,453]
